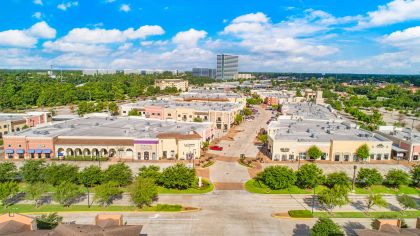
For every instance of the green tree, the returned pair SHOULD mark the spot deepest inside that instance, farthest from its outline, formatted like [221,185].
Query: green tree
[238,119]
[198,119]
[337,178]
[8,171]
[134,112]
[7,191]
[367,177]
[33,170]
[55,174]
[277,177]
[263,138]
[66,193]
[35,192]
[375,200]
[363,152]
[309,176]
[415,176]
[247,111]
[406,202]
[120,173]
[333,197]
[48,221]
[299,93]
[143,191]
[177,177]
[90,176]
[395,178]
[151,171]
[326,227]
[314,152]
[106,193]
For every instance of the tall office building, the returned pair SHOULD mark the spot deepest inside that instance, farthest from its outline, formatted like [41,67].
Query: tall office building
[227,66]
[204,72]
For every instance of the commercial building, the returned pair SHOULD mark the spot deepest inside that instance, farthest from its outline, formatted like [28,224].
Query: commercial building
[204,72]
[276,97]
[99,72]
[131,138]
[406,142]
[11,122]
[227,66]
[303,125]
[181,85]
[205,95]
[220,114]
[244,76]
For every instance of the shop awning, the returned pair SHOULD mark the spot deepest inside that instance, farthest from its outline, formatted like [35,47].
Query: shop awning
[397,149]
[20,151]
[31,151]
[9,151]
[48,151]
[38,151]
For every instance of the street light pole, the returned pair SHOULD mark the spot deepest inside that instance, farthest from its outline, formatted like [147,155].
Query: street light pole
[354,177]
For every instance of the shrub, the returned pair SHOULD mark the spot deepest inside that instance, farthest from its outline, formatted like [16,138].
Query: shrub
[178,176]
[168,207]
[415,176]
[300,213]
[106,193]
[363,152]
[326,227]
[368,177]
[314,152]
[90,176]
[49,221]
[55,174]
[84,158]
[309,176]
[8,171]
[151,171]
[143,191]
[120,173]
[277,177]
[337,178]
[66,193]
[33,170]
[395,178]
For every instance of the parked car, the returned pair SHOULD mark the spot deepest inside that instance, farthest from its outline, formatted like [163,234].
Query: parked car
[216,148]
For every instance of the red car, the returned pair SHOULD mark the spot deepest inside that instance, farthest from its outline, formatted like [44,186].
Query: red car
[216,148]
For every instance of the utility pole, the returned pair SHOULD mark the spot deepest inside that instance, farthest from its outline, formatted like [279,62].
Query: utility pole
[354,177]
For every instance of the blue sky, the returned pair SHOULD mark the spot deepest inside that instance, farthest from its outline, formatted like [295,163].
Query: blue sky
[286,36]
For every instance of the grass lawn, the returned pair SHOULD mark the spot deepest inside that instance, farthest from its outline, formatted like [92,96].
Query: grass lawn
[385,214]
[258,187]
[25,208]
[404,189]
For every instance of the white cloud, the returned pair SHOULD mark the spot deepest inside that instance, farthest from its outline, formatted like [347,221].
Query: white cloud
[125,8]
[98,36]
[27,38]
[258,17]
[38,2]
[158,43]
[37,15]
[407,39]
[65,5]
[79,48]
[394,12]
[42,30]
[259,35]
[189,38]
[109,1]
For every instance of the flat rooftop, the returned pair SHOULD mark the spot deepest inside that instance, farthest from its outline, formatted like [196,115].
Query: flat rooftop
[198,106]
[309,110]
[115,127]
[12,116]
[404,134]
[320,131]
[205,93]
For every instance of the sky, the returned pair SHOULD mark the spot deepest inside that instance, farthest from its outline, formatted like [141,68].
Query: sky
[326,36]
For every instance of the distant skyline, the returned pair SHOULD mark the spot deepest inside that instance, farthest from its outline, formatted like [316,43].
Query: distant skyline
[324,36]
